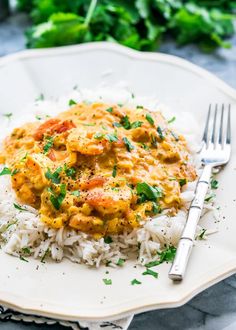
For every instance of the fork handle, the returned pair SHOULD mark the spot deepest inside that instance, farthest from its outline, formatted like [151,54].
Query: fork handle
[185,245]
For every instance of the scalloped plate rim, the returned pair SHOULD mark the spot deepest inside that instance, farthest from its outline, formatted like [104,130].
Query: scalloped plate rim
[159,57]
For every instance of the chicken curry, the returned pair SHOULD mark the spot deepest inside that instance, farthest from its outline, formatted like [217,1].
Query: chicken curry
[98,168]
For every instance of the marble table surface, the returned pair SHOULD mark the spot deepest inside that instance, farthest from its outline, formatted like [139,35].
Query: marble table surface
[213,309]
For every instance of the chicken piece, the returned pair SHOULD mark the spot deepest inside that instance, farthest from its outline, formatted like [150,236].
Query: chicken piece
[30,181]
[86,223]
[52,126]
[108,201]
[85,143]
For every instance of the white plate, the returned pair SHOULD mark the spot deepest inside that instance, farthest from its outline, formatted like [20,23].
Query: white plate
[71,291]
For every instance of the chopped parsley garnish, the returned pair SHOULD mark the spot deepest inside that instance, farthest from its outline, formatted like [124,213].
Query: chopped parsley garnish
[150,272]
[145,146]
[57,200]
[210,197]
[214,184]
[26,250]
[7,115]
[70,171]
[153,141]
[38,117]
[18,207]
[175,136]
[150,119]
[108,239]
[128,125]
[72,102]
[160,132]
[139,107]
[111,137]
[44,256]
[107,281]
[171,120]
[120,262]
[11,224]
[147,192]
[201,236]
[155,208]
[23,259]
[117,124]
[136,124]
[48,145]
[135,282]
[125,122]
[109,110]
[166,255]
[5,171]
[39,98]
[104,127]
[23,159]
[54,176]
[182,182]
[76,193]
[128,144]
[98,136]
[114,171]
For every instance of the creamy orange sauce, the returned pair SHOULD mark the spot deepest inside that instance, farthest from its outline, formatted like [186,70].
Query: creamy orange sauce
[98,168]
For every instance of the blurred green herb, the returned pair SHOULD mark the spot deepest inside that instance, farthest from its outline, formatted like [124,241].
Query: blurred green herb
[139,24]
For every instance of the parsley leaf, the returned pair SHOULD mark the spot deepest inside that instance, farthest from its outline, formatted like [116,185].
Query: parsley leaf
[114,171]
[18,207]
[111,137]
[5,171]
[136,124]
[167,255]
[72,102]
[214,184]
[109,109]
[57,200]
[128,125]
[70,171]
[171,120]
[117,124]
[182,182]
[150,119]
[7,115]
[48,145]
[203,232]
[150,272]
[160,132]
[125,122]
[107,281]
[98,136]
[120,262]
[26,250]
[210,197]
[147,192]
[76,193]
[135,282]
[128,144]
[108,239]
[54,176]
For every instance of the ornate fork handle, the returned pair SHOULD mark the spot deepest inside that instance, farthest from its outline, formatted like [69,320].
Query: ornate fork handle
[187,238]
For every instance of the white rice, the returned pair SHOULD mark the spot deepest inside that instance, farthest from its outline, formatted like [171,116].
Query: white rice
[21,230]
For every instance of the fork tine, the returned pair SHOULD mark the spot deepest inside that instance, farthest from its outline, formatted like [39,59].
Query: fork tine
[228,134]
[221,125]
[214,125]
[205,134]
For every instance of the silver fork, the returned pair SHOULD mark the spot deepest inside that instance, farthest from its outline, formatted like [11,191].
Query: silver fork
[215,152]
